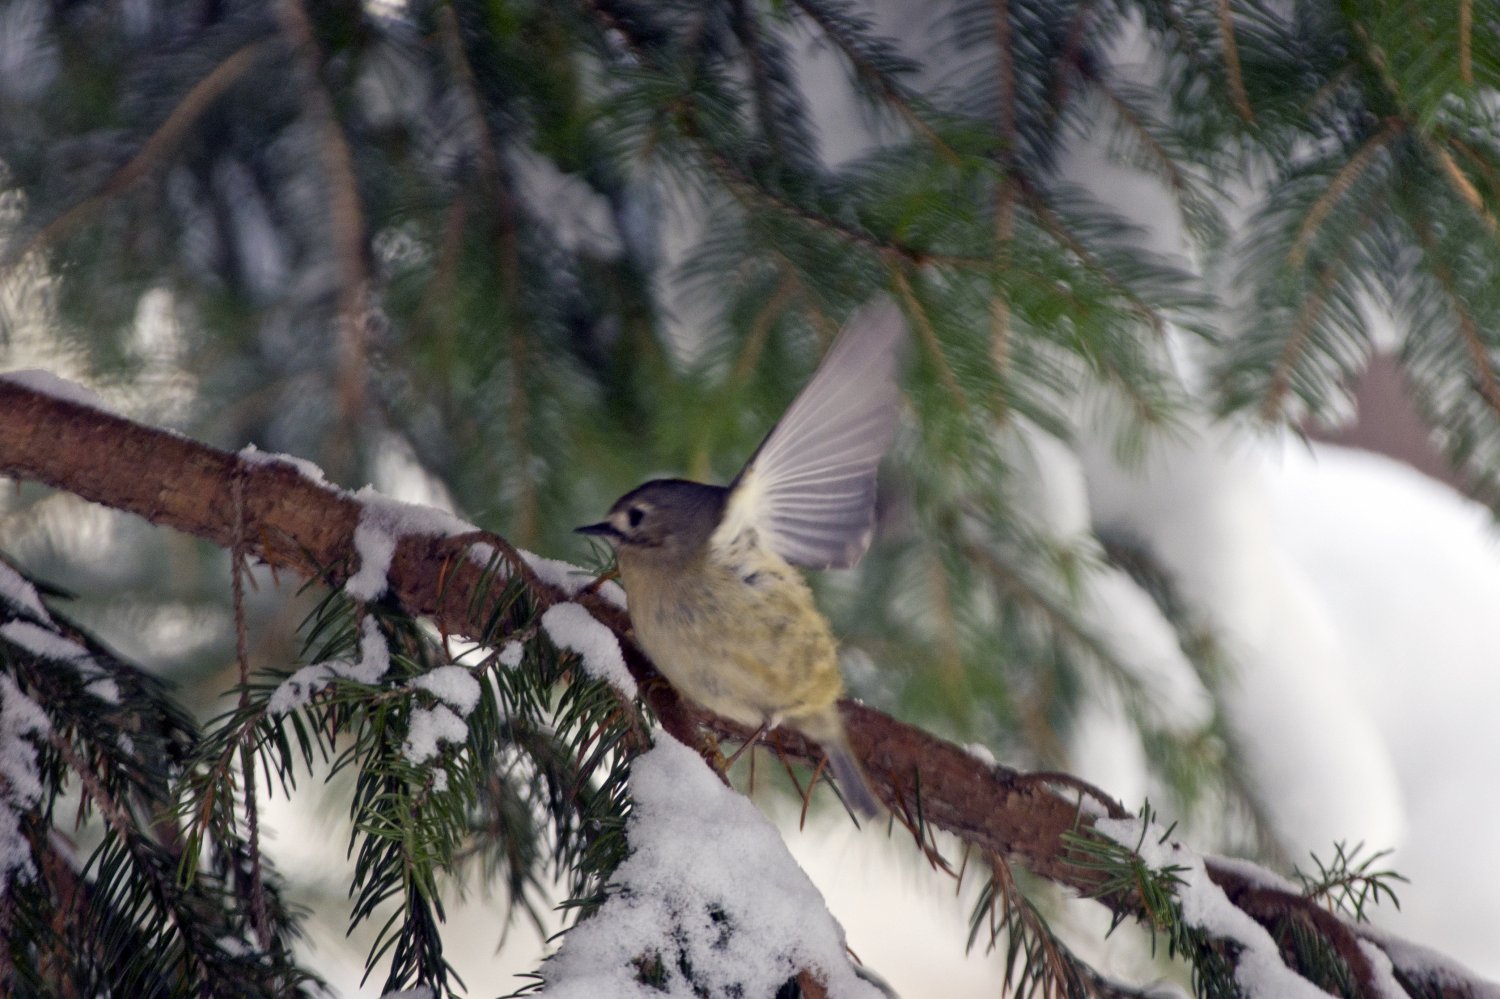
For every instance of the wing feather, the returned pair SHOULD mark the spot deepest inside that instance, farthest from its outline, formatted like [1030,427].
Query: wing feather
[810,486]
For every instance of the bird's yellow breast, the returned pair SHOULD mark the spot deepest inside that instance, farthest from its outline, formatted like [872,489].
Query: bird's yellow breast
[736,630]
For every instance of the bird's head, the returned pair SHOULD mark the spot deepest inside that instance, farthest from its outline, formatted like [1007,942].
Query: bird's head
[664,521]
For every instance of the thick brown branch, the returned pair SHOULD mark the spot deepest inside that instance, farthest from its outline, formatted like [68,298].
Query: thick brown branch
[293,522]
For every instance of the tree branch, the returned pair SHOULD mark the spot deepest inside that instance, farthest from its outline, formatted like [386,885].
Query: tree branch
[291,521]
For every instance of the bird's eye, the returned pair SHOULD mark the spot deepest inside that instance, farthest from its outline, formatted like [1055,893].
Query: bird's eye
[635,516]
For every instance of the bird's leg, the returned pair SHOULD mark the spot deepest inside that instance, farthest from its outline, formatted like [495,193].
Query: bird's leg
[748,743]
[804,793]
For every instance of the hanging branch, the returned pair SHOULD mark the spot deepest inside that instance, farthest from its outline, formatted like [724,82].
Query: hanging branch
[746,188]
[346,213]
[156,147]
[260,920]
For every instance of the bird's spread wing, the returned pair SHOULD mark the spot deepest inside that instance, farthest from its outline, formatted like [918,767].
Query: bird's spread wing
[809,489]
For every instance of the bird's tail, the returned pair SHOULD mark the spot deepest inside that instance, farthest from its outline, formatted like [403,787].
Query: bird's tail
[854,786]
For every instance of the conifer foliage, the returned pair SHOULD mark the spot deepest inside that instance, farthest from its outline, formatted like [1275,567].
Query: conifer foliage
[516,256]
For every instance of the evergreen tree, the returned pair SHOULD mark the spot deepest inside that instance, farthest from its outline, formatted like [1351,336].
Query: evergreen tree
[511,258]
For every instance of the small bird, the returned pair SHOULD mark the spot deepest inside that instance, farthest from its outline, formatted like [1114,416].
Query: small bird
[715,599]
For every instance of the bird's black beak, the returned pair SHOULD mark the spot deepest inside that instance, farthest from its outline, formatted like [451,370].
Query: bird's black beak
[603,529]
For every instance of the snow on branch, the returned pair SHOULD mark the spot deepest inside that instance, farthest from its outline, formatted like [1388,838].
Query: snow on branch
[692,841]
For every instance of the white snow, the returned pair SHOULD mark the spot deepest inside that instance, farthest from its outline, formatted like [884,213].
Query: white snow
[1259,970]
[981,752]
[43,642]
[510,655]
[252,455]
[1386,986]
[19,593]
[1408,573]
[402,519]
[554,572]
[1198,503]
[1441,969]
[375,546]
[374,654]
[105,689]
[1256,874]
[47,383]
[709,884]
[570,626]
[453,684]
[1173,699]
[1050,492]
[383,522]
[429,728]
[374,660]
[21,787]
[49,644]
[570,578]
[297,690]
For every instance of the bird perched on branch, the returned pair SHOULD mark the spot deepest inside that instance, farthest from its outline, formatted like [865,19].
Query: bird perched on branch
[715,599]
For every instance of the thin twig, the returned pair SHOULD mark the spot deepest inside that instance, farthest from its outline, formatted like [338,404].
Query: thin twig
[1461,184]
[760,329]
[1348,174]
[739,183]
[260,919]
[770,121]
[1130,118]
[1466,42]
[929,338]
[1296,341]
[114,813]
[1232,62]
[1072,56]
[1450,170]
[745,360]
[950,660]
[1005,184]
[347,214]
[1064,236]
[893,92]
[1468,327]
